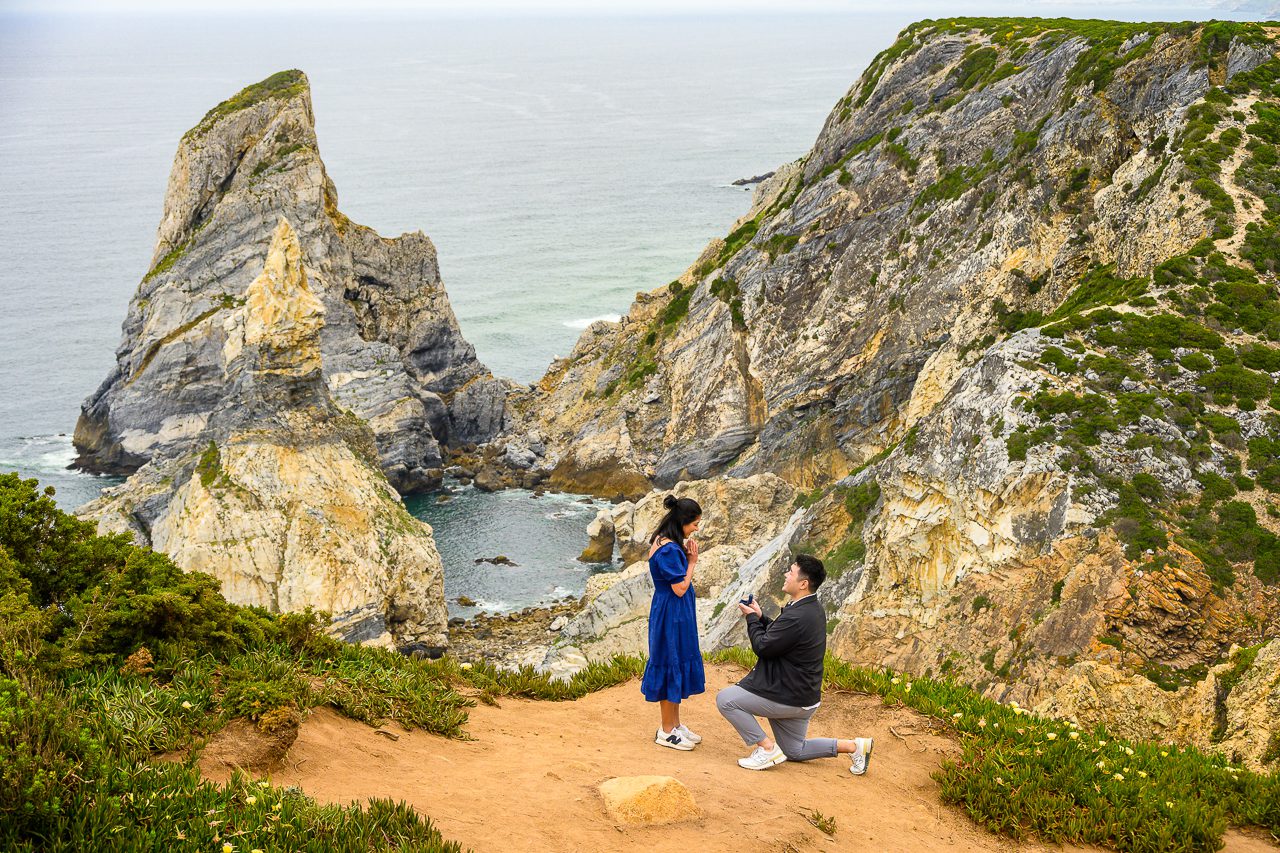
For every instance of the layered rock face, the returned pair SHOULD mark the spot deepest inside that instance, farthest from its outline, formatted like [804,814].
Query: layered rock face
[281,496]
[1011,325]
[391,349]
[965,171]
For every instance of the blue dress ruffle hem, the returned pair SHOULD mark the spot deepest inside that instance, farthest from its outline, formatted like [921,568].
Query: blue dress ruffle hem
[674,670]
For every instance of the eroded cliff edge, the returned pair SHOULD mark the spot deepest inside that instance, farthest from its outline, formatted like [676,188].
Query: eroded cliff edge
[391,348]
[1011,326]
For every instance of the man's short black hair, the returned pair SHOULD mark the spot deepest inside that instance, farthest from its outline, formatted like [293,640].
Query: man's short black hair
[812,569]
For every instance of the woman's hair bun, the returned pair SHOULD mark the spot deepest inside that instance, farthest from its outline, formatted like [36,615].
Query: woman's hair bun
[669,501]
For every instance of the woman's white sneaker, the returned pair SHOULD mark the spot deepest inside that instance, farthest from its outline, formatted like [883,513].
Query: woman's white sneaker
[688,735]
[763,759]
[673,740]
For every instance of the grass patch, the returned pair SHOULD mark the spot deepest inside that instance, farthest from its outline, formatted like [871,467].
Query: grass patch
[282,85]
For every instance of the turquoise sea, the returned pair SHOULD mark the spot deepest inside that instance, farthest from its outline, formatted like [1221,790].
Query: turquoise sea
[559,164]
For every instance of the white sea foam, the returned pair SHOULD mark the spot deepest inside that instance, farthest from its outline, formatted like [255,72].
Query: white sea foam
[582,324]
[491,606]
[42,453]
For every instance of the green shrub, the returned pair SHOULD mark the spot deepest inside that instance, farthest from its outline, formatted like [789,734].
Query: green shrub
[1196,362]
[1237,383]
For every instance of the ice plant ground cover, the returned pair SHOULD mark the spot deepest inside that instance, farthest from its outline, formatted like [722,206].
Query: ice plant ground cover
[1024,775]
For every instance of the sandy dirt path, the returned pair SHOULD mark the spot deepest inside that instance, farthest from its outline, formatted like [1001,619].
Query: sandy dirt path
[527,782]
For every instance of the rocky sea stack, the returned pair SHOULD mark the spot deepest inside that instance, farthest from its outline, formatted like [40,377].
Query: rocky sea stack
[391,349]
[1010,327]
[280,496]
[284,371]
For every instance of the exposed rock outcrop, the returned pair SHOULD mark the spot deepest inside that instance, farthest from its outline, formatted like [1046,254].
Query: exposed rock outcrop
[1011,324]
[281,496]
[967,174]
[391,349]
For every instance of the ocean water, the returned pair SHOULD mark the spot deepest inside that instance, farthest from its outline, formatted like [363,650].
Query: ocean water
[541,536]
[560,165]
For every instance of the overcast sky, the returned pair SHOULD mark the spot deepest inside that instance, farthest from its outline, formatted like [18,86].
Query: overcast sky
[1152,9]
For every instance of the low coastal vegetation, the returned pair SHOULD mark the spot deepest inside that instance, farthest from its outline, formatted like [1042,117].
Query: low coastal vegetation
[281,85]
[1029,776]
[110,656]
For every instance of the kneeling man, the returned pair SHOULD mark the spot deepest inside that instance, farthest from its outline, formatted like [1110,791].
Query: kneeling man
[785,686]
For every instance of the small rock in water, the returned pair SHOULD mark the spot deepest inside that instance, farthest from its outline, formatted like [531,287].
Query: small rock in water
[463,601]
[499,560]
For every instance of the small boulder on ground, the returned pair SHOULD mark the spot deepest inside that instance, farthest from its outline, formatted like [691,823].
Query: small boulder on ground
[648,800]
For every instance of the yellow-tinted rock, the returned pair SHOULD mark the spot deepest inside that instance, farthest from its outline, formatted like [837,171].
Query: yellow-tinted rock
[648,800]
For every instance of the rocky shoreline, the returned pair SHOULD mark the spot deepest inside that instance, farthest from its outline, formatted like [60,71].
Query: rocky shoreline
[511,640]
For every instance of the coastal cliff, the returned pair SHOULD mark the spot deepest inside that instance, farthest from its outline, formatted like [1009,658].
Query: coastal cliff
[391,349]
[280,496]
[1011,328]
[978,172]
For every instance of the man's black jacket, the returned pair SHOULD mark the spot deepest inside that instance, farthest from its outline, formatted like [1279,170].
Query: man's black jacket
[790,649]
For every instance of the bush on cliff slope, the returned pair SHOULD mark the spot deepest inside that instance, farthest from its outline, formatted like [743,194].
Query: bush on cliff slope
[110,654]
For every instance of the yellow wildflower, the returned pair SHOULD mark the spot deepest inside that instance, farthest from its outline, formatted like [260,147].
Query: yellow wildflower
[1119,777]
[1051,736]
[895,680]
[957,715]
[1142,773]
[1164,754]
[250,800]
[1128,751]
[1073,735]
[228,848]
[186,706]
[982,723]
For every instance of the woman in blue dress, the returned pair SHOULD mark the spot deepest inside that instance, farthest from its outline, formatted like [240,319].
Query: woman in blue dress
[674,670]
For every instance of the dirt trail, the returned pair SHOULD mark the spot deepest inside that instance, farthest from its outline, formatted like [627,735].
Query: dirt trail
[528,780]
[1245,213]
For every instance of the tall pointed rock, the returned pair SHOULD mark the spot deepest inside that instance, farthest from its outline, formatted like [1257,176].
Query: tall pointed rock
[392,350]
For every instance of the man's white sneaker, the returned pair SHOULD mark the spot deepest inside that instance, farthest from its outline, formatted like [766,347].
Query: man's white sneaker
[762,759]
[688,735]
[862,756]
[673,740]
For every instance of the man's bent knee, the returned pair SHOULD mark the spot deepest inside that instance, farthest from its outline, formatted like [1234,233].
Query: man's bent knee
[724,699]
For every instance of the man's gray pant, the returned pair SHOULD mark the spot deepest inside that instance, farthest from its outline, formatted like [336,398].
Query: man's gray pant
[789,723]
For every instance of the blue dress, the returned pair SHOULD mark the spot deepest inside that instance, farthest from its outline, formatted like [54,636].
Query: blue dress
[674,670]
